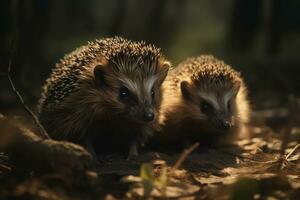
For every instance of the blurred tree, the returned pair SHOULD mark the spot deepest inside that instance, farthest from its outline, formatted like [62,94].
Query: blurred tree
[118,18]
[165,19]
[245,21]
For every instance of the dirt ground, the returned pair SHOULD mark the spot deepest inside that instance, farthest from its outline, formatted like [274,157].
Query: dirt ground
[266,166]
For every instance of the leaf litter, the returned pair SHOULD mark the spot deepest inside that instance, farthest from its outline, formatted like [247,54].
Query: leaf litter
[264,166]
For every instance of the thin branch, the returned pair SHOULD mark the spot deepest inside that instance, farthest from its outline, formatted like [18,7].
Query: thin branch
[9,66]
[43,132]
[293,114]
[184,155]
[292,151]
[4,167]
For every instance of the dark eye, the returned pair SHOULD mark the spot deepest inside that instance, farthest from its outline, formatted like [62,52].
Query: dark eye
[124,93]
[206,107]
[229,106]
[152,93]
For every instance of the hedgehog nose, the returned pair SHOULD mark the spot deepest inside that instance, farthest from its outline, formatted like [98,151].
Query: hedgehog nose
[148,116]
[224,125]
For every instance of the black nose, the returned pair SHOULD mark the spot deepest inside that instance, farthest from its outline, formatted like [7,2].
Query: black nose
[224,125]
[148,116]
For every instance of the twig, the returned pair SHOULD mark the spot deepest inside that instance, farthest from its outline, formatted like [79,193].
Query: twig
[184,155]
[293,111]
[292,151]
[43,132]
[4,167]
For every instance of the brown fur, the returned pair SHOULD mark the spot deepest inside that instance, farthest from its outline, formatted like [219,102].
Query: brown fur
[81,97]
[182,119]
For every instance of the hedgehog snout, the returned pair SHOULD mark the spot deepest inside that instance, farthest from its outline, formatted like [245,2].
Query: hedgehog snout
[148,116]
[223,125]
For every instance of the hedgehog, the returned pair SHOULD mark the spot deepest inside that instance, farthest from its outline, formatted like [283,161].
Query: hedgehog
[105,95]
[205,100]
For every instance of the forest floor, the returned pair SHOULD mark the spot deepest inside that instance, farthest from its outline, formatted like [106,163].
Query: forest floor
[265,166]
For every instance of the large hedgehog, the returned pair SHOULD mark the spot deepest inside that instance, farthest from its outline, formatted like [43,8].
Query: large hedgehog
[204,100]
[105,95]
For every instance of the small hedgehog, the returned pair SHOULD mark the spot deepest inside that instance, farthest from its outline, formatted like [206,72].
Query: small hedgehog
[204,100]
[105,95]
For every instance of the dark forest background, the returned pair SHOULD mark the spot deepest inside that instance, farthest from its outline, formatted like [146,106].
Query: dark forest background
[259,38]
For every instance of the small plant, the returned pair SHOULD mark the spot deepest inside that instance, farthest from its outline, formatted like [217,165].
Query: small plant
[149,181]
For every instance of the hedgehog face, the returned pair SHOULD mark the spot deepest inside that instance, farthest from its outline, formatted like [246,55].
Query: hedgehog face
[133,95]
[218,108]
[215,105]
[139,100]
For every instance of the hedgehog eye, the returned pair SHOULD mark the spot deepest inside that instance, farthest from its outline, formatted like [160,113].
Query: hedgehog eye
[206,107]
[152,93]
[124,93]
[229,105]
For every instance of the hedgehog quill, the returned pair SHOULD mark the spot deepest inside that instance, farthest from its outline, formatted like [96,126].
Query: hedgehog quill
[204,100]
[105,95]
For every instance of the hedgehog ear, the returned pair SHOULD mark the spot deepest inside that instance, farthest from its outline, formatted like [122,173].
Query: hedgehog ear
[186,90]
[236,89]
[164,69]
[99,75]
